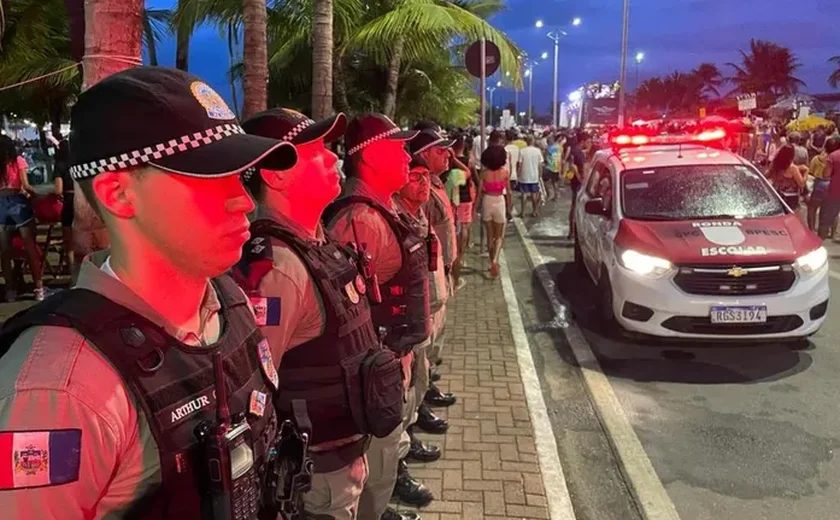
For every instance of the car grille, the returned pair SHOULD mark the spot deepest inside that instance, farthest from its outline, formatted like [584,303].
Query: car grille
[734,280]
[704,325]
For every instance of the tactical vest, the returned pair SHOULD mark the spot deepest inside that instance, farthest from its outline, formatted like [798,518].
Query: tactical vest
[351,385]
[172,383]
[404,311]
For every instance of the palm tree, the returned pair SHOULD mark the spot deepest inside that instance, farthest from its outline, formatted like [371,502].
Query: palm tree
[254,57]
[710,77]
[155,22]
[322,59]
[767,68]
[429,25]
[834,79]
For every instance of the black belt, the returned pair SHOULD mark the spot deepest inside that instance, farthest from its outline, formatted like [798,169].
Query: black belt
[340,457]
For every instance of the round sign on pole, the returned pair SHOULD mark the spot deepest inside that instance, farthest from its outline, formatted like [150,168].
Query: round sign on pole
[492,59]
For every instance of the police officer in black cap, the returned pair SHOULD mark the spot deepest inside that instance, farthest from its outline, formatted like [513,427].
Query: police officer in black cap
[311,301]
[377,167]
[151,375]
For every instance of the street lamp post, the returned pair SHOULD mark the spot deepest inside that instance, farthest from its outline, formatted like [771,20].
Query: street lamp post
[640,56]
[555,36]
[622,94]
[491,90]
[530,75]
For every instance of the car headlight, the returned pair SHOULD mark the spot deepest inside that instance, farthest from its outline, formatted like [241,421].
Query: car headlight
[813,261]
[645,265]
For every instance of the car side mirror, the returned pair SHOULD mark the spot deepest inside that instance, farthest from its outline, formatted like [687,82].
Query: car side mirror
[595,207]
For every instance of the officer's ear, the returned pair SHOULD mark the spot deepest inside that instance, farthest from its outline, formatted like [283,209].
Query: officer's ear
[111,189]
[276,180]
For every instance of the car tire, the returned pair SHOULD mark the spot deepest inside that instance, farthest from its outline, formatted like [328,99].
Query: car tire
[605,304]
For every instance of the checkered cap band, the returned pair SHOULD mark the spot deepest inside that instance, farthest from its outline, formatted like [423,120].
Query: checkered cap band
[372,140]
[152,153]
[300,127]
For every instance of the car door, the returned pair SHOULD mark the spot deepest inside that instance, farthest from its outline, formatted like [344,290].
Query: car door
[591,224]
[604,225]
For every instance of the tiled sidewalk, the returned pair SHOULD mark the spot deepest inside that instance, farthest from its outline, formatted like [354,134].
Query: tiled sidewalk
[489,467]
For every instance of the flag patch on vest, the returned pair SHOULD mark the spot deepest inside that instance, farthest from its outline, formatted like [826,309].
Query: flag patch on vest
[266,311]
[39,458]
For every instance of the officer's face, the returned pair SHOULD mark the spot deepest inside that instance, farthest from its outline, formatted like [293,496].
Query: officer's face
[437,158]
[198,224]
[389,159]
[315,175]
[417,189]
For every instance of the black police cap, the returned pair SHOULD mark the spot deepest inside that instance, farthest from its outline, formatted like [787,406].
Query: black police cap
[168,119]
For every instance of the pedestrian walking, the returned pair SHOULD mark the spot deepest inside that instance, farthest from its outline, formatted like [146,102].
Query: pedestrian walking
[530,167]
[16,216]
[494,179]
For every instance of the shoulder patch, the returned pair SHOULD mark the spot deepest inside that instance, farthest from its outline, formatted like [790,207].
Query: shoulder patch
[42,458]
[266,311]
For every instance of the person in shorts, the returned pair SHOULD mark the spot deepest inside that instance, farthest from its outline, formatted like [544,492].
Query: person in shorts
[16,215]
[530,164]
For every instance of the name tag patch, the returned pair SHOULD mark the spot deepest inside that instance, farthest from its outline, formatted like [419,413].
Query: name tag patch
[266,311]
[39,458]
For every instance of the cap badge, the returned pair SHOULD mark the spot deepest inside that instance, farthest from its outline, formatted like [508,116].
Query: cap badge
[211,101]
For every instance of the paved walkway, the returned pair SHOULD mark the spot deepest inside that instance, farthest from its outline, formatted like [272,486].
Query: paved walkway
[489,468]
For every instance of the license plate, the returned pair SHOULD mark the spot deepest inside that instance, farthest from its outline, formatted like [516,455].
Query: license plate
[744,314]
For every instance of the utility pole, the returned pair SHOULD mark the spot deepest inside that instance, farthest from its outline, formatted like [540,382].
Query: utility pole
[622,94]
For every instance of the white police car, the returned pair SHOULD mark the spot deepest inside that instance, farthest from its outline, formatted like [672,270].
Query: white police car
[683,240]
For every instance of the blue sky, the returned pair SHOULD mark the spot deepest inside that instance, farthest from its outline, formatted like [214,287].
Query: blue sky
[673,34]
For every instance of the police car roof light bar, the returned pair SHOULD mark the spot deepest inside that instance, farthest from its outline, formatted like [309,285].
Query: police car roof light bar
[629,140]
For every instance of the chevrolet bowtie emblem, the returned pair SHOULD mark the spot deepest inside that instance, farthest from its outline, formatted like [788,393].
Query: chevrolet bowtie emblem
[736,272]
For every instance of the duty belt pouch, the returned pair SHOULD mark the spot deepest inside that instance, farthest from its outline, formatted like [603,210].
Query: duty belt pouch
[382,392]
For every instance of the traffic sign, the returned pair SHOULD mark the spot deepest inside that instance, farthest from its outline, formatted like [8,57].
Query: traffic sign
[492,59]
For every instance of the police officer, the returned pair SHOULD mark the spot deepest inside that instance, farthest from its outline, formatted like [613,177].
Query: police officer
[310,299]
[377,167]
[102,387]
[435,150]
[411,200]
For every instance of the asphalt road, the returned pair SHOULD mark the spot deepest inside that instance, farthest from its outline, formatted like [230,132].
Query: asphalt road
[735,431]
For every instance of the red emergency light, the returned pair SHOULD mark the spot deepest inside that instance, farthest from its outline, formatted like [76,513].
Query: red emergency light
[625,140]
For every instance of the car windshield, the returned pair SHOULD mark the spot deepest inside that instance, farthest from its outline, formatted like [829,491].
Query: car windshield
[698,191]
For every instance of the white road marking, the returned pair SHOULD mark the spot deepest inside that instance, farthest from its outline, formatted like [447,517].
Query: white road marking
[557,494]
[652,499]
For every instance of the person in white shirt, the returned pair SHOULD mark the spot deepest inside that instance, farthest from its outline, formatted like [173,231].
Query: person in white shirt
[512,156]
[530,167]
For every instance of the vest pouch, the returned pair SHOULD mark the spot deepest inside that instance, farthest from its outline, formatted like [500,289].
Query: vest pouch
[382,391]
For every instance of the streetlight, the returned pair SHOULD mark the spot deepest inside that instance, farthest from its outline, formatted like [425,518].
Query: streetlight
[491,90]
[529,73]
[625,34]
[640,56]
[555,36]
[544,55]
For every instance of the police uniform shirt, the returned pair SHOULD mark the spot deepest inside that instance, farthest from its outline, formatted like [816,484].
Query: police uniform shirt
[439,210]
[438,293]
[51,381]
[302,316]
[371,227]
[376,233]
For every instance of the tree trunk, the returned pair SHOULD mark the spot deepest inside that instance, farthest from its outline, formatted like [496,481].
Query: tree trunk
[182,48]
[340,82]
[112,28]
[56,111]
[389,102]
[322,59]
[255,58]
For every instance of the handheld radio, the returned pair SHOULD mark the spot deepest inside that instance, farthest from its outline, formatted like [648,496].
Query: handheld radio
[231,479]
[432,248]
[366,268]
